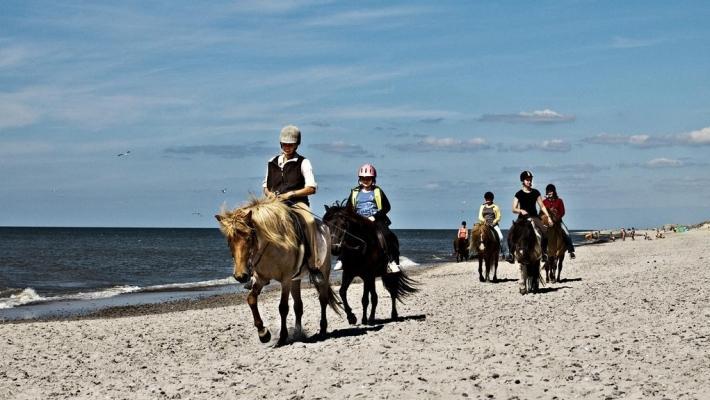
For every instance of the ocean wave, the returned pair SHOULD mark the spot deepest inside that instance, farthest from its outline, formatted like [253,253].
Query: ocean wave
[30,296]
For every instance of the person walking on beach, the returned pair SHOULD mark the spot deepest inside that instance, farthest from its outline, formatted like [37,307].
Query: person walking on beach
[289,177]
[489,214]
[554,204]
[370,201]
[525,204]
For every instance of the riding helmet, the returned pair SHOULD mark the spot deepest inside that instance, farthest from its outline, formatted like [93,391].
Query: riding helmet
[367,170]
[551,188]
[290,134]
[489,196]
[525,175]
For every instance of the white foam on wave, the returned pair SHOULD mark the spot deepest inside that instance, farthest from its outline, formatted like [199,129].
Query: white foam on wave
[29,295]
[26,296]
[406,262]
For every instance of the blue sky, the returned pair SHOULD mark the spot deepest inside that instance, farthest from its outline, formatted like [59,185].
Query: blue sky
[608,100]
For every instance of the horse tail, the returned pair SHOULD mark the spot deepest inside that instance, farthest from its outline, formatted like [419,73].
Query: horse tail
[333,299]
[400,285]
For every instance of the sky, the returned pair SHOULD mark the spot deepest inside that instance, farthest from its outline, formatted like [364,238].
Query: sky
[157,114]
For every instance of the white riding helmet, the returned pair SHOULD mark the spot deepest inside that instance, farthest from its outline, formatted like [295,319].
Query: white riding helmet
[290,134]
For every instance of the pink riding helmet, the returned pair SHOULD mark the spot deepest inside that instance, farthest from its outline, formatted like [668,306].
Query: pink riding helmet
[367,170]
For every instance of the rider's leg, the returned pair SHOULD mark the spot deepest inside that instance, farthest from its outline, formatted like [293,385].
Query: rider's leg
[503,243]
[310,231]
[568,241]
[542,230]
[392,246]
[509,256]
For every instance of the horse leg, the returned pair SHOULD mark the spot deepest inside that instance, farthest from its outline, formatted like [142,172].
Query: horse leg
[264,334]
[365,300]
[324,293]
[297,303]
[495,267]
[480,268]
[283,311]
[347,280]
[559,267]
[522,284]
[373,300]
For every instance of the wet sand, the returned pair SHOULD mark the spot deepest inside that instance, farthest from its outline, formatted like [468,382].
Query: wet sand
[630,320]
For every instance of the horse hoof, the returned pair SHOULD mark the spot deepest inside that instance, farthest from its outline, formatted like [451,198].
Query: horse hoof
[352,320]
[264,338]
[482,279]
[523,291]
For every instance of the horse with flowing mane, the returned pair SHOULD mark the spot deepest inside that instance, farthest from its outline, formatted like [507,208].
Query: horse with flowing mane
[527,249]
[354,238]
[485,243]
[555,248]
[266,240]
[461,249]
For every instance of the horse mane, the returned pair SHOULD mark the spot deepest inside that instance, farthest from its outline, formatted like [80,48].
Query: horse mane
[271,218]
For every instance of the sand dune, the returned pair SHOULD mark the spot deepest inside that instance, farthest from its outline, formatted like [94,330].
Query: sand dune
[630,320]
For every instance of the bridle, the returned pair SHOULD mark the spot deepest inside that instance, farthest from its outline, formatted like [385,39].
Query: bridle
[254,247]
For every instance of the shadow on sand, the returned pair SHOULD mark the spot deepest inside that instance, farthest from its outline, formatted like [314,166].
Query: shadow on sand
[349,332]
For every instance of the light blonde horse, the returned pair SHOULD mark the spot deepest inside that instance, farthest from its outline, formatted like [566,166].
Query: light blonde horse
[264,240]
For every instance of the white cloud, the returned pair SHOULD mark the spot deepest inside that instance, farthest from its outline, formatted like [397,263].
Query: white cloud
[553,145]
[620,42]
[545,116]
[664,163]
[16,115]
[430,143]
[361,17]
[13,56]
[701,136]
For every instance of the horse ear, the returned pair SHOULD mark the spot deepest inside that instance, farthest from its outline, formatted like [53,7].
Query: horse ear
[326,208]
[247,217]
[219,217]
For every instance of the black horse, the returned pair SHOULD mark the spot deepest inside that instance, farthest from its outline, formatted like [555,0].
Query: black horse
[461,249]
[355,241]
[525,244]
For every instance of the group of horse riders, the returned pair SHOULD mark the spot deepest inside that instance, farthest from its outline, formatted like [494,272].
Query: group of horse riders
[525,203]
[289,177]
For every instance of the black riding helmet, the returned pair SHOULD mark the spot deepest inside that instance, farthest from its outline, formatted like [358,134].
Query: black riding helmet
[463,223]
[488,196]
[525,175]
[551,188]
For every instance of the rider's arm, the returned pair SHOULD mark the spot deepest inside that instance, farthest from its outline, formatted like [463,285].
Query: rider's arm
[560,208]
[496,209]
[480,214]
[386,207]
[542,206]
[516,207]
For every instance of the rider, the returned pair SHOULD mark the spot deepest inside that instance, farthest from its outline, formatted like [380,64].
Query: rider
[524,204]
[370,201]
[555,204]
[289,177]
[463,232]
[489,214]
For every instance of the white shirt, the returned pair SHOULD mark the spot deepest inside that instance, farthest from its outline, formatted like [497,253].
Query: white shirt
[306,170]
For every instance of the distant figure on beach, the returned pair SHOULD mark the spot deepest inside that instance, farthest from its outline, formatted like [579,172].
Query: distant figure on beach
[461,243]
[556,206]
[489,214]
[289,177]
[463,232]
[525,204]
[370,201]
[612,237]
[633,233]
[623,234]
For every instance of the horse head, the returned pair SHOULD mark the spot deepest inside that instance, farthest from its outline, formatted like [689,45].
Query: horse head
[337,218]
[237,227]
[526,241]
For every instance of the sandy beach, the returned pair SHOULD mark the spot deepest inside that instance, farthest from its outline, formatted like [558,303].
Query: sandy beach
[630,320]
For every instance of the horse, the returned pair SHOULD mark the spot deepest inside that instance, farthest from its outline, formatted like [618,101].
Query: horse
[485,243]
[461,249]
[266,240]
[555,249]
[526,247]
[355,240]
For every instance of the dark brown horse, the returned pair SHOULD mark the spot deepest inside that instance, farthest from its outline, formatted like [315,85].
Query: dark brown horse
[354,239]
[265,244]
[526,247]
[555,249]
[484,242]
[461,249]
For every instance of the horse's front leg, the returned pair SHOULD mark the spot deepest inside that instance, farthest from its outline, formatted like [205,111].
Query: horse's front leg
[494,261]
[480,268]
[283,311]
[373,299]
[559,268]
[347,280]
[264,334]
[297,303]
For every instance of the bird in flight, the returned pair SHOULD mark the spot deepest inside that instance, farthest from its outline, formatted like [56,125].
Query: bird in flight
[197,213]
[124,154]
[224,190]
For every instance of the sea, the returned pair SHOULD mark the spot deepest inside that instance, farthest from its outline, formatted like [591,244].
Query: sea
[63,272]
